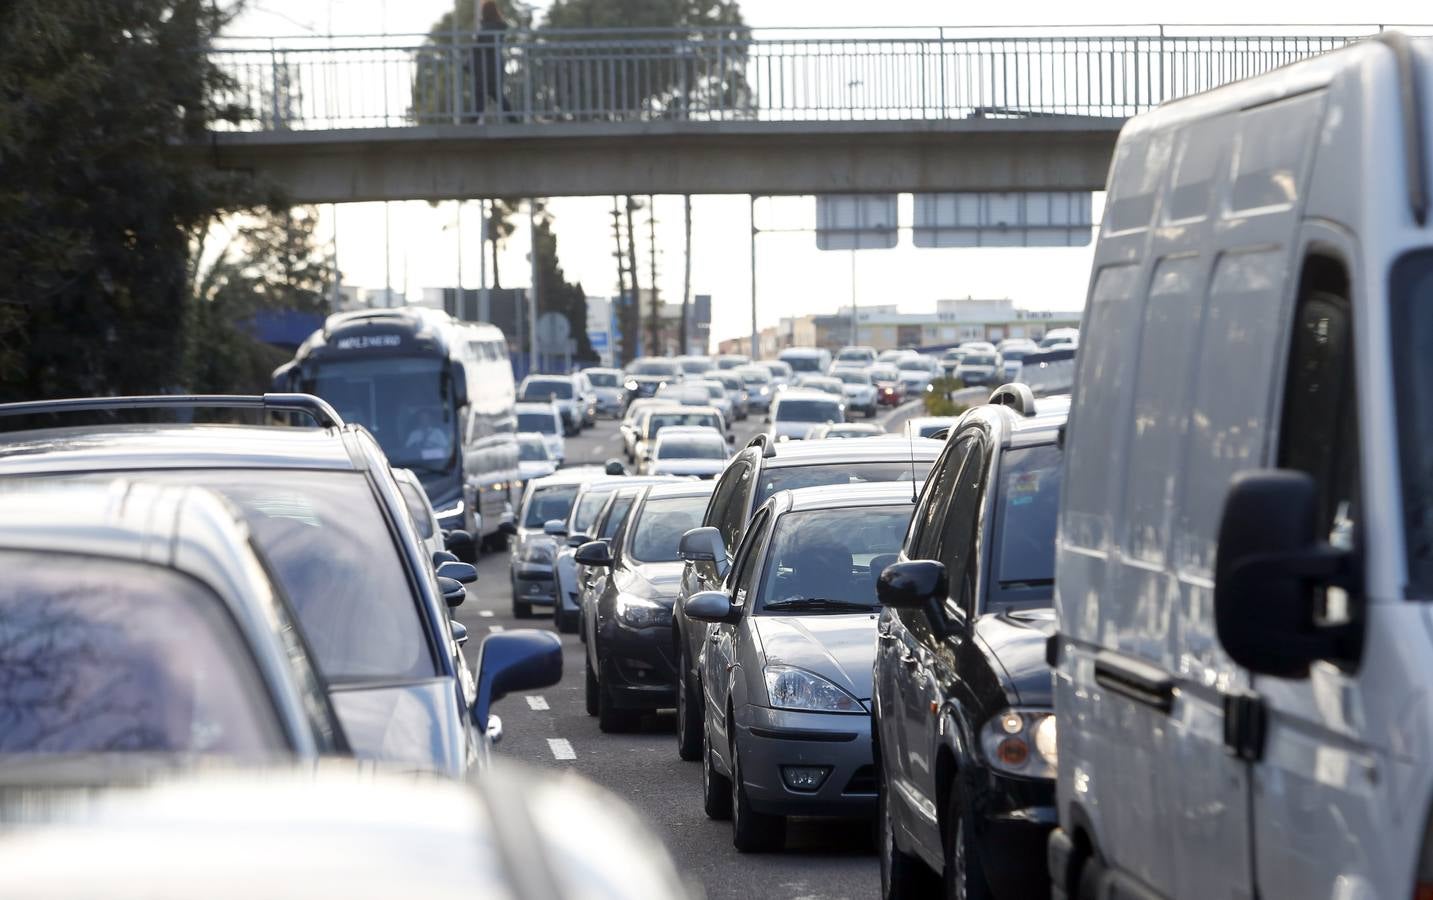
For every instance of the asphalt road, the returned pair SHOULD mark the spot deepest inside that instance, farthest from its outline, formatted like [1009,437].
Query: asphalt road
[551,729]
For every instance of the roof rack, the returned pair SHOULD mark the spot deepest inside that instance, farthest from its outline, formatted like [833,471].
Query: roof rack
[763,440]
[323,415]
[1015,395]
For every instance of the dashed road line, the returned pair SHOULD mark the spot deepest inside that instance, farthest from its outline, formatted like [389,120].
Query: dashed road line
[537,703]
[561,748]
[495,628]
[486,613]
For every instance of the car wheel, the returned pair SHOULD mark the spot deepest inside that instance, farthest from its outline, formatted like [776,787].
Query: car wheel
[716,787]
[592,686]
[964,878]
[751,831]
[903,876]
[689,711]
[495,543]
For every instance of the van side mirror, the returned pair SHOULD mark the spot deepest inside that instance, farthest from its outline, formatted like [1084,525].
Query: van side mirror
[705,545]
[1271,574]
[555,528]
[519,660]
[594,553]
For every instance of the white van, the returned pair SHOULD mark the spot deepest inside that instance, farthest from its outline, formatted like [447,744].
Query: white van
[806,360]
[1244,584]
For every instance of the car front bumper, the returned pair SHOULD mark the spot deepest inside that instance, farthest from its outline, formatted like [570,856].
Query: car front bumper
[639,666]
[1013,820]
[769,739]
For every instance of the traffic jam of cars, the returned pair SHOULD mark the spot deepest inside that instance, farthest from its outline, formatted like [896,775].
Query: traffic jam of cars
[1143,618]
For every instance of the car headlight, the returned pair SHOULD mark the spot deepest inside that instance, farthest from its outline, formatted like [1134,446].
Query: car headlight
[788,687]
[1021,742]
[539,552]
[639,612]
[765,390]
[630,384]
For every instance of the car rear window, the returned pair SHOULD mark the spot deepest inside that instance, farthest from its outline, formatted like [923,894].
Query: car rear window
[790,478]
[659,527]
[109,656]
[326,539]
[549,503]
[539,391]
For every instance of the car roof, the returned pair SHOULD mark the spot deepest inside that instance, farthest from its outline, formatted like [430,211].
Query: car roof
[533,406]
[688,431]
[801,393]
[132,447]
[534,436]
[919,421]
[689,410]
[618,481]
[843,496]
[890,448]
[680,489]
[574,475]
[547,376]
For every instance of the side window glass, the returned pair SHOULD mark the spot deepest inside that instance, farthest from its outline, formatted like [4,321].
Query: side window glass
[1319,432]
[929,520]
[744,570]
[734,513]
[957,542]
[721,496]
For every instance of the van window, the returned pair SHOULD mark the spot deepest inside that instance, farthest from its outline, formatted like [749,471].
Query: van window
[1269,156]
[1139,165]
[1203,151]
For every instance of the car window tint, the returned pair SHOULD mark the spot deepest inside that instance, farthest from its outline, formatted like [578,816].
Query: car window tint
[417,508]
[548,503]
[105,656]
[658,527]
[930,515]
[587,509]
[325,537]
[956,545]
[744,565]
[615,514]
[790,478]
[1027,501]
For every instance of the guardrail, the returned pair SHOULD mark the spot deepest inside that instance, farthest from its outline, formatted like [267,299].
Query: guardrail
[735,75]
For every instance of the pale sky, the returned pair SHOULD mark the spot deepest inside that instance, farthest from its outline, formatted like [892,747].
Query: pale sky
[794,278]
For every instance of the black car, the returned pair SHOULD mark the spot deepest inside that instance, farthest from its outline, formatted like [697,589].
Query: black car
[591,579]
[963,727]
[631,666]
[749,480]
[323,508]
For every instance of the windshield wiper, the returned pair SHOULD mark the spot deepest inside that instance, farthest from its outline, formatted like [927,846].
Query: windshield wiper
[818,603]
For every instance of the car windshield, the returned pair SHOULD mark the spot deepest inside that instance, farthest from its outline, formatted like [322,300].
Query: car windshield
[691,448]
[532,449]
[659,527]
[542,422]
[801,363]
[1014,353]
[324,535]
[715,391]
[790,478]
[853,354]
[808,411]
[756,377]
[731,383]
[828,560]
[851,377]
[661,420]
[913,364]
[696,366]
[978,359]
[604,379]
[548,503]
[587,509]
[884,373]
[106,656]
[661,367]
[1026,502]
[403,402]
[540,390]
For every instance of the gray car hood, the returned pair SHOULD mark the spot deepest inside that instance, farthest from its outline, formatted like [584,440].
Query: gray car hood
[413,725]
[839,648]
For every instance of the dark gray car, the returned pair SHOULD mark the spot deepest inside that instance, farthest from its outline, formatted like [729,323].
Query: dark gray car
[785,671]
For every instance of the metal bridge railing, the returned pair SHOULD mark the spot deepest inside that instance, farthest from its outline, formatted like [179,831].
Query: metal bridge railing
[533,77]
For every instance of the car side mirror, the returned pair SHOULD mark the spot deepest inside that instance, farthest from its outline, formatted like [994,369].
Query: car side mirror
[460,543]
[461,572]
[555,528]
[519,660]
[507,528]
[713,607]
[594,553]
[443,556]
[614,467]
[577,540]
[1270,574]
[460,632]
[918,584]
[731,437]
[453,591]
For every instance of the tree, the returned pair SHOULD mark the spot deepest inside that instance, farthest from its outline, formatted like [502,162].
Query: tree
[99,214]
[555,292]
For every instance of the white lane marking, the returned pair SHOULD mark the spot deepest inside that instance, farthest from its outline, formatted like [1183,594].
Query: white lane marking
[495,628]
[561,749]
[486,613]
[537,703]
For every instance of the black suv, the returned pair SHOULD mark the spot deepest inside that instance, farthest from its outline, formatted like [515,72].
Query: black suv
[750,479]
[963,725]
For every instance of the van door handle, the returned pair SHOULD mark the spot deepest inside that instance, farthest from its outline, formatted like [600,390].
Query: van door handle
[1139,681]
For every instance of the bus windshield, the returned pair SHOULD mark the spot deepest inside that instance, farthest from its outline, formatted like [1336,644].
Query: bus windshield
[405,403]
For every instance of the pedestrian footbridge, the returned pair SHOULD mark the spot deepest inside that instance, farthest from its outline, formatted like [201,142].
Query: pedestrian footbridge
[572,113]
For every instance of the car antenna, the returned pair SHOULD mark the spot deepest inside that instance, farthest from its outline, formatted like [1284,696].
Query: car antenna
[911,444]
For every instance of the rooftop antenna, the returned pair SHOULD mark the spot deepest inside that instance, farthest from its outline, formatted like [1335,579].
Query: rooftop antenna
[911,445]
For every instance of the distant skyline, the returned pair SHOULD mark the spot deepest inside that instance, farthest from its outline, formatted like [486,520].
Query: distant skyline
[794,278]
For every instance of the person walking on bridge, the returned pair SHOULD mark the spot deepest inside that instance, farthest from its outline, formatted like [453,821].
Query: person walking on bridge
[488,59]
